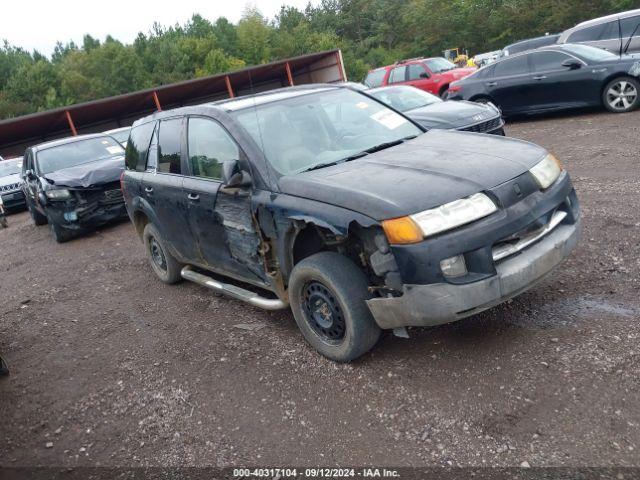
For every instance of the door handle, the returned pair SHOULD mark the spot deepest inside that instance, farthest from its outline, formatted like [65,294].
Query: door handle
[194,197]
[540,77]
[148,189]
[492,84]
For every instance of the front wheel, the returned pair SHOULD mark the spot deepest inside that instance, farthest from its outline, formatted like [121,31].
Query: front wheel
[328,296]
[60,234]
[621,95]
[36,216]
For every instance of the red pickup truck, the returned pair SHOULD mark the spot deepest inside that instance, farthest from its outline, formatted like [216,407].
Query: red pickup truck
[430,74]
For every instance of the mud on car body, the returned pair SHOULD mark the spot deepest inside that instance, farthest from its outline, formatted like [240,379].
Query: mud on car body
[361,227]
[73,184]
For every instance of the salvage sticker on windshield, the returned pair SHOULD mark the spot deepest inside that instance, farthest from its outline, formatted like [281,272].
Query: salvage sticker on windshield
[389,119]
[362,105]
[114,150]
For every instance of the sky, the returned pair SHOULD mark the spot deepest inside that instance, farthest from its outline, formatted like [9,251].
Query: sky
[39,24]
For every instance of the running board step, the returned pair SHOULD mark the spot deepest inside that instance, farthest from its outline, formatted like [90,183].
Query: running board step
[232,291]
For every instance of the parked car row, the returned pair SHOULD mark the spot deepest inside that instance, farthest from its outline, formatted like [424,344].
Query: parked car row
[591,64]
[554,78]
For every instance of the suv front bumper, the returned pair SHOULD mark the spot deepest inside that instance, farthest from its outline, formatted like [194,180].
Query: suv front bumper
[438,303]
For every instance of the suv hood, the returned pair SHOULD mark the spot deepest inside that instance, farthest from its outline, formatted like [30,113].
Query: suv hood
[451,114]
[434,168]
[88,174]
[10,179]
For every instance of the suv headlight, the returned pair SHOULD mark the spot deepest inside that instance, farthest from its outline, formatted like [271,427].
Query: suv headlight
[416,227]
[61,194]
[546,171]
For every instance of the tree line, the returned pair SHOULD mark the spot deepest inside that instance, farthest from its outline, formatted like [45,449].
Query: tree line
[370,33]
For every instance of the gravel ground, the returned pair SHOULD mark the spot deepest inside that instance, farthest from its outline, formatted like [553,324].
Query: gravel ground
[111,367]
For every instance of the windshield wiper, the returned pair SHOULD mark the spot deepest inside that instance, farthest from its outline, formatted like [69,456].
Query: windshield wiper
[385,145]
[320,165]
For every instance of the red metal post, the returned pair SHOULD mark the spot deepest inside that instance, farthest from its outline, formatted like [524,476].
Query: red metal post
[157,101]
[229,89]
[289,76]
[340,67]
[71,125]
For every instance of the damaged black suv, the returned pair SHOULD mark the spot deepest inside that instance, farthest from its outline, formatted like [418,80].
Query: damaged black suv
[345,210]
[73,184]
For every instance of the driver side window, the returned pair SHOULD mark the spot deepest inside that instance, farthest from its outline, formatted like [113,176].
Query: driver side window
[415,70]
[209,146]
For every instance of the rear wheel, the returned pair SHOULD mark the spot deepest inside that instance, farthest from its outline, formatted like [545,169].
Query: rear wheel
[165,266]
[621,95]
[327,292]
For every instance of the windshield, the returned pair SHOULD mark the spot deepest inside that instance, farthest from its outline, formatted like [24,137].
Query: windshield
[10,167]
[122,136]
[437,65]
[405,98]
[591,54]
[77,153]
[306,131]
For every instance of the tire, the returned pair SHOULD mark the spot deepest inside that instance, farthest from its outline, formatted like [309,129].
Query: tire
[341,326]
[60,234]
[621,95]
[165,266]
[38,218]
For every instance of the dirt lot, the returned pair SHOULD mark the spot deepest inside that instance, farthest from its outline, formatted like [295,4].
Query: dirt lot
[115,368]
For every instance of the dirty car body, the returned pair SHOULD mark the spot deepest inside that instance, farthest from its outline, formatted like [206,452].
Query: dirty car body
[357,230]
[73,184]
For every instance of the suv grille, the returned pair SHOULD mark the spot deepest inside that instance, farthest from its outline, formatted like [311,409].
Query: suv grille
[484,126]
[9,188]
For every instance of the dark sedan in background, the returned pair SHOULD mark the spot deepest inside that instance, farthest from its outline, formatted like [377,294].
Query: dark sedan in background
[555,78]
[11,183]
[432,112]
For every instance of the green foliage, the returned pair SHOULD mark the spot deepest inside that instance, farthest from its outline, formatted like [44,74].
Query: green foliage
[370,33]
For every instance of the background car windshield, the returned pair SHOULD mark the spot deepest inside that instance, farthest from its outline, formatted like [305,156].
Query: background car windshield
[9,167]
[299,133]
[439,65]
[591,54]
[77,153]
[405,98]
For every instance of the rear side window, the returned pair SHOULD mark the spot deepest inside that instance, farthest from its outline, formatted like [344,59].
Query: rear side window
[375,78]
[169,146]
[631,26]
[604,31]
[138,146]
[397,74]
[209,147]
[513,66]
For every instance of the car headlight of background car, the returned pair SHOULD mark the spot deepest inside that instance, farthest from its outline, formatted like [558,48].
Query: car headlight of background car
[414,228]
[547,171]
[61,194]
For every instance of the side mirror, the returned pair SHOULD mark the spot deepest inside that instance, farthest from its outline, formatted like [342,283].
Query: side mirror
[424,75]
[572,64]
[28,174]
[233,176]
